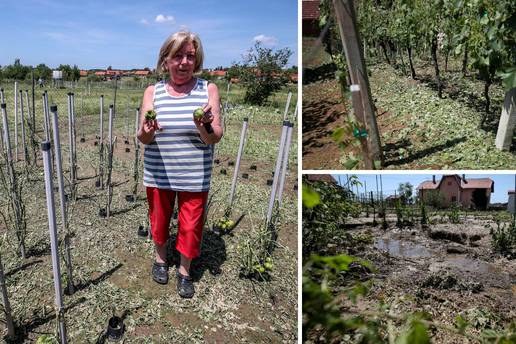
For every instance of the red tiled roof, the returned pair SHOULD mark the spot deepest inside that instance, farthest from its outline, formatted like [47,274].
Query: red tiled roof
[100,73]
[321,177]
[83,72]
[310,9]
[217,73]
[142,72]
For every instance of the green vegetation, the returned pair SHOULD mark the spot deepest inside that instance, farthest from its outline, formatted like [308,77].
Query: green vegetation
[261,73]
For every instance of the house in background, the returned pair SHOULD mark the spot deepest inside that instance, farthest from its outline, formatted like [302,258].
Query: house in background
[470,193]
[328,178]
[310,18]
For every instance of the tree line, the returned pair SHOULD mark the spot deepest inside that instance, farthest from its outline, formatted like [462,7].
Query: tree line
[18,71]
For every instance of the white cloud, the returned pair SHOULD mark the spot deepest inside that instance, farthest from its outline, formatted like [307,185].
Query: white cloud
[160,18]
[144,21]
[266,40]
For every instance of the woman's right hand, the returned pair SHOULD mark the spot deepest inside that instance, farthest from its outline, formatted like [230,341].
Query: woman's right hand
[147,127]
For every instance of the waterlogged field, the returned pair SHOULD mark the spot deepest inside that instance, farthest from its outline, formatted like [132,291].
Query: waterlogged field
[411,276]
[112,264]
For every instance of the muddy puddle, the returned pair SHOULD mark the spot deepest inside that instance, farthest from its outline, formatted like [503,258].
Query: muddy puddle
[396,247]
[440,262]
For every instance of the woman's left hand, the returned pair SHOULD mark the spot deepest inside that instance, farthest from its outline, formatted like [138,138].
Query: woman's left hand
[207,118]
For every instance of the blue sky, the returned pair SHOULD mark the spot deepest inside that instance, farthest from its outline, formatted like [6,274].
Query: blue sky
[503,182]
[128,34]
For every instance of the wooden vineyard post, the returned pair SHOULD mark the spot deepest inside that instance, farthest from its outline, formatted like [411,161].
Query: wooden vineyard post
[287,105]
[507,121]
[62,199]
[45,148]
[237,165]
[361,92]
[284,163]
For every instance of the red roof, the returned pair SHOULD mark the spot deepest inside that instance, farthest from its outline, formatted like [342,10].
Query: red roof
[321,177]
[468,183]
[310,9]
[142,72]
[217,73]
[100,73]
[83,72]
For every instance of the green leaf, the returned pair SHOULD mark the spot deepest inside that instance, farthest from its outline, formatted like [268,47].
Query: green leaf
[415,334]
[508,77]
[338,134]
[461,323]
[310,197]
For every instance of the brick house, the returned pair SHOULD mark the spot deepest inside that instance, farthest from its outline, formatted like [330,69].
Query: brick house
[469,193]
[310,18]
[321,177]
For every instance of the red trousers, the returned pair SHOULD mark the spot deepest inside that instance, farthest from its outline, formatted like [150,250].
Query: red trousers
[190,218]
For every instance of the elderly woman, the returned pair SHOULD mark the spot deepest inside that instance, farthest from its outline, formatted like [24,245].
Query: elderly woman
[178,153]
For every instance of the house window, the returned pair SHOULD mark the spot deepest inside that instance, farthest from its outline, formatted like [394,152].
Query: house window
[454,199]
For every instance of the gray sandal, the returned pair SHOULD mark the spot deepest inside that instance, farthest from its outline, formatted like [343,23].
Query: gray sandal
[185,287]
[160,272]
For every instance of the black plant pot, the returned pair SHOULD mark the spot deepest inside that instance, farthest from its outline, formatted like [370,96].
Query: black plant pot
[97,183]
[253,167]
[83,140]
[223,171]
[126,142]
[142,231]
[127,150]
[95,143]
[269,182]
[129,198]
[231,163]
[245,176]
[217,161]
[102,212]
[295,187]
[115,329]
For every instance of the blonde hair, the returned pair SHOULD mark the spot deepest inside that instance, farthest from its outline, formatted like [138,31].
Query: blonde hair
[174,43]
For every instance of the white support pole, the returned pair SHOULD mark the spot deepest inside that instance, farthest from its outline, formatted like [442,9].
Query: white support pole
[70,139]
[45,148]
[507,121]
[289,96]
[7,139]
[16,150]
[110,160]
[277,171]
[46,121]
[237,165]
[285,163]
[74,140]
[22,126]
[62,199]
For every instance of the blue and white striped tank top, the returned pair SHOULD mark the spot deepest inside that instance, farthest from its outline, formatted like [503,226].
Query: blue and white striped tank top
[178,159]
